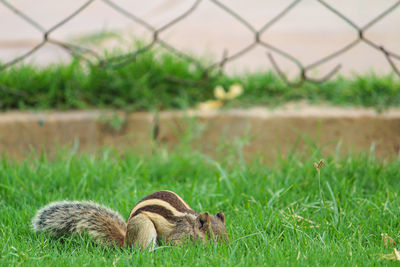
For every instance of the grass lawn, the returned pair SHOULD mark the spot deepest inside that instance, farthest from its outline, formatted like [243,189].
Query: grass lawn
[276,215]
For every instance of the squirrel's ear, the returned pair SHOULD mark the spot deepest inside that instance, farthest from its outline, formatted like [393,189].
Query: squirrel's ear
[204,219]
[220,215]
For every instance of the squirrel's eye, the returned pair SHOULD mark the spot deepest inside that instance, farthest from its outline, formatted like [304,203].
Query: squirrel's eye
[204,219]
[202,223]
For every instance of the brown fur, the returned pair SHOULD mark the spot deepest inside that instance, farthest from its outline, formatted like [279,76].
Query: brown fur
[161,216]
[60,218]
[141,232]
[167,214]
[113,232]
[170,197]
[187,222]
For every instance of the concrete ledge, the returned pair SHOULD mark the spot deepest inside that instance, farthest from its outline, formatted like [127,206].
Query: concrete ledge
[267,130]
[20,133]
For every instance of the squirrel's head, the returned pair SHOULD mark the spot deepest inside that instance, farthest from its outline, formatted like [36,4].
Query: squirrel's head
[211,227]
[199,227]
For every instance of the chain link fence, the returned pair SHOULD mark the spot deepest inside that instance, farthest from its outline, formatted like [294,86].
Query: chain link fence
[216,67]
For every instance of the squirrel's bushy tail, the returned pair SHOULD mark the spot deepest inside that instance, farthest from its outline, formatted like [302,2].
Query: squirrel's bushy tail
[66,217]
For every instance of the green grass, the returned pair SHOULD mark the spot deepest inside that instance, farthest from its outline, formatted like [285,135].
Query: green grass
[357,200]
[154,81]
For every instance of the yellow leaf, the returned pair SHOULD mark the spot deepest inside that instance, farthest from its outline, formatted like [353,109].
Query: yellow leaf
[392,256]
[219,92]
[235,90]
[210,105]
[397,254]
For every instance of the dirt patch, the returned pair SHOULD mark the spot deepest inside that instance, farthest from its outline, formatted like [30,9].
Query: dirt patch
[261,131]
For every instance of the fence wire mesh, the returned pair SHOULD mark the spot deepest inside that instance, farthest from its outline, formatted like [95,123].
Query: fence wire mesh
[81,52]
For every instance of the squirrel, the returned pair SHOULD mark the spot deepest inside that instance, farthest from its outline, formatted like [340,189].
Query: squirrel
[160,216]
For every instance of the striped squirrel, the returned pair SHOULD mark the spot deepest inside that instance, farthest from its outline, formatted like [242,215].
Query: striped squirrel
[160,216]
